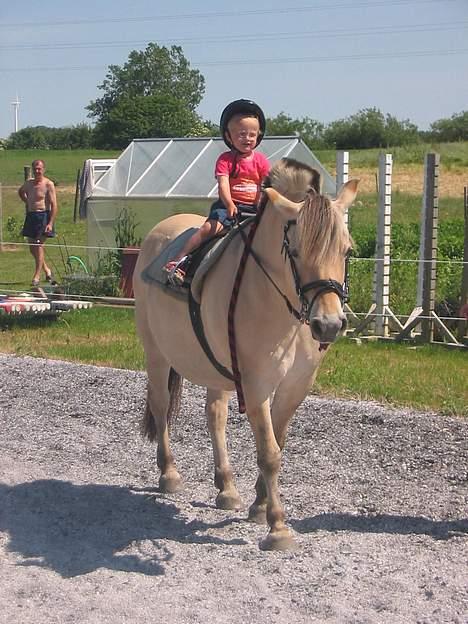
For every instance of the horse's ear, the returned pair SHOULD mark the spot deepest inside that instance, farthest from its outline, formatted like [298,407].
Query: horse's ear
[347,194]
[283,204]
[316,181]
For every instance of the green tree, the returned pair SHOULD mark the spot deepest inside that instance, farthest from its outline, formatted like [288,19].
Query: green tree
[453,129]
[400,132]
[146,116]
[157,73]
[359,131]
[309,130]
[369,128]
[42,137]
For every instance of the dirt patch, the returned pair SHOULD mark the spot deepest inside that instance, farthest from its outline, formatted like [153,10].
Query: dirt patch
[410,179]
[377,499]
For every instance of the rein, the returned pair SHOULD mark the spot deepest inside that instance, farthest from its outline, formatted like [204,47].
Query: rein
[303,315]
[233,302]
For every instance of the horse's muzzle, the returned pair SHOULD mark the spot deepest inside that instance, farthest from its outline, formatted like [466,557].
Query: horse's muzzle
[326,328]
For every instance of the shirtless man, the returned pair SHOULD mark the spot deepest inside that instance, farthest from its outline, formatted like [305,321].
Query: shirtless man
[41,211]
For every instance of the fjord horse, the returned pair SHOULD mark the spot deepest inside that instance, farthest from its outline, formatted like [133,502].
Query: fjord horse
[289,310]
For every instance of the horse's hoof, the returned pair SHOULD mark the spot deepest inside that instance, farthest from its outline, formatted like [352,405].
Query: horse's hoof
[228,501]
[257,514]
[170,483]
[280,540]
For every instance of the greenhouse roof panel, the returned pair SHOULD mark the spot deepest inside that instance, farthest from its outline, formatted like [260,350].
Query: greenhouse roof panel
[184,167]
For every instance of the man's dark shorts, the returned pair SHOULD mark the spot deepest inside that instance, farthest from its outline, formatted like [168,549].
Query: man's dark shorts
[35,224]
[218,212]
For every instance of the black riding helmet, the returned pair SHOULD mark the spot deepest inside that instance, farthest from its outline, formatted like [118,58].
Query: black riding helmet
[239,107]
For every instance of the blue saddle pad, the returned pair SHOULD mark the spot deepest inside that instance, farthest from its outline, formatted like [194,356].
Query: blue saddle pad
[155,272]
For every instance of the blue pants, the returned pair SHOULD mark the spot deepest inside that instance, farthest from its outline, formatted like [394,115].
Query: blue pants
[218,212]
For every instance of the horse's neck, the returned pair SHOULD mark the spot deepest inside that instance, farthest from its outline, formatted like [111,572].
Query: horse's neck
[268,245]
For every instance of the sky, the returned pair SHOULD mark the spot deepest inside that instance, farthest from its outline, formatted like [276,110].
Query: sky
[322,59]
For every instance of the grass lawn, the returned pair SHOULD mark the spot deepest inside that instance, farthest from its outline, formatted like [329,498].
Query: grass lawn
[426,377]
[452,154]
[16,263]
[61,165]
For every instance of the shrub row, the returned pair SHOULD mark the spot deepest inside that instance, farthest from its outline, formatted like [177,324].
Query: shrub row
[403,276]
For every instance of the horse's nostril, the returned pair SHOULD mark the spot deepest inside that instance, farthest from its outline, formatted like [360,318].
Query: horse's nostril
[316,328]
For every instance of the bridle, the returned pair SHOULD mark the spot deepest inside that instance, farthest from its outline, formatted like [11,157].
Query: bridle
[321,286]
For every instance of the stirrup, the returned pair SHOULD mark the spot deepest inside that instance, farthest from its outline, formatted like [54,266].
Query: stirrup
[176,274]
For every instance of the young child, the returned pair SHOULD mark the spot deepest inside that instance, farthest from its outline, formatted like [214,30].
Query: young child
[239,173]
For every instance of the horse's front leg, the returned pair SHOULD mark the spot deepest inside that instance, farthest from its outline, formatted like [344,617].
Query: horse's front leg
[269,462]
[216,414]
[288,396]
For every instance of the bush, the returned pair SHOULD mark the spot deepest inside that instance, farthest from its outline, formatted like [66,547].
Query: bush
[13,227]
[91,285]
[404,275]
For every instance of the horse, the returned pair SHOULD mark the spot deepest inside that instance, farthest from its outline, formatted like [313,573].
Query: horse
[288,311]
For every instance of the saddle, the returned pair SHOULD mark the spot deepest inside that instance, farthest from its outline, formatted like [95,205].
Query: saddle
[197,265]
[200,261]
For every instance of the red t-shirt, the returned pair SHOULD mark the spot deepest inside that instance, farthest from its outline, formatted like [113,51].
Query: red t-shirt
[250,172]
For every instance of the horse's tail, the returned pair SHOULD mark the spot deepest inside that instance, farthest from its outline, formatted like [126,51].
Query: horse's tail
[174,384]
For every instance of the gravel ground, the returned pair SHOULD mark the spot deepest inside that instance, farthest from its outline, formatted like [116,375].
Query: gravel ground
[377,498]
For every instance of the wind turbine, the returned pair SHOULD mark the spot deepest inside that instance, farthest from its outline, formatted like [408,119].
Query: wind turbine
[15,105]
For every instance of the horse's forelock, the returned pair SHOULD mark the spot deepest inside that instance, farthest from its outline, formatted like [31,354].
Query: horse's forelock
[322,233]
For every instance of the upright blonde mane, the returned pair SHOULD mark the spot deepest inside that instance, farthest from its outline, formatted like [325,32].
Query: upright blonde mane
[322,233]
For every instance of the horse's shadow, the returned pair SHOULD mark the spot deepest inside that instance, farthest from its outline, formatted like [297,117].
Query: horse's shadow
[382,523]
[75,529]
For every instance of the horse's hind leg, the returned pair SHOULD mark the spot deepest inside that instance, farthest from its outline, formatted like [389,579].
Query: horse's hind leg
[158,400]
[216,414]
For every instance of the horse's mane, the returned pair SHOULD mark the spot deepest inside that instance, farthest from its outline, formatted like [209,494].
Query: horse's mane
[322,232]
[323,235]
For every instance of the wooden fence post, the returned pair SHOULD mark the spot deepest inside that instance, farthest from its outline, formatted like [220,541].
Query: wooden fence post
[1,218]
[462,326]
[380,311]
[342,175]
[27,172]
[342,172]
[424,313]
[77,195]
[382,249]
[428,246]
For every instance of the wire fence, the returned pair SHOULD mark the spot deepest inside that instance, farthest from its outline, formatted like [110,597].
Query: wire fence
[120,300]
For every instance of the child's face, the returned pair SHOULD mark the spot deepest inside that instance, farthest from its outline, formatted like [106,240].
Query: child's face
[243,133]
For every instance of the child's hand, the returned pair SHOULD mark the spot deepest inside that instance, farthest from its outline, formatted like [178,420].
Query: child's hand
[232,211]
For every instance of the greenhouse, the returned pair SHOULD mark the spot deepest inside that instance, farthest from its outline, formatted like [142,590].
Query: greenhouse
[155,178]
